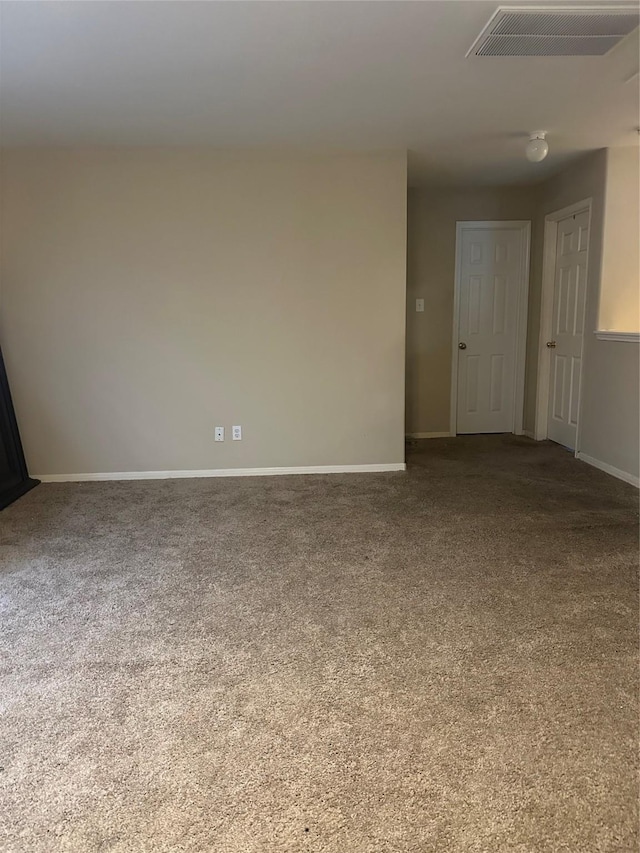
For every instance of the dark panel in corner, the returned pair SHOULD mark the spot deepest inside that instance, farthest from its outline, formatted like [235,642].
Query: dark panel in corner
[14,479]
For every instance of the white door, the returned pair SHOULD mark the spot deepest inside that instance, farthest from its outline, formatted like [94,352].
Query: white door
[491,271]
[569,295]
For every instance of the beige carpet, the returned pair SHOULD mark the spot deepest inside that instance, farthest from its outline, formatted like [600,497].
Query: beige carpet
[438,661]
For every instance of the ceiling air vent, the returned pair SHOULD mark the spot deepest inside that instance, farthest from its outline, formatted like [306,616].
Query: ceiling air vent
[555,31]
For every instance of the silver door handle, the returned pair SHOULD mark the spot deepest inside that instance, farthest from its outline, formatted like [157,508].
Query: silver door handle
[462,345]
[551,344]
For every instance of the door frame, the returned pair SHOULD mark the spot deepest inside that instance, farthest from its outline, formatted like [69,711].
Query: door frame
[550,248]
[524,226]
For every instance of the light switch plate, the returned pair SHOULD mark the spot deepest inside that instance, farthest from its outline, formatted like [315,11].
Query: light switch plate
[419,305]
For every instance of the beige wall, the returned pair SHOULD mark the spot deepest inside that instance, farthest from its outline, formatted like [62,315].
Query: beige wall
[432,218]
[609,421]
[148,296]
[610,428]
[620,294]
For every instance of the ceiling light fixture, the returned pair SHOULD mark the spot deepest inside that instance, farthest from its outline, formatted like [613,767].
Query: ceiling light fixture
[537,147]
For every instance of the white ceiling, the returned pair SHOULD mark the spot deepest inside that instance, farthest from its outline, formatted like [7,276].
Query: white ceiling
[314,74]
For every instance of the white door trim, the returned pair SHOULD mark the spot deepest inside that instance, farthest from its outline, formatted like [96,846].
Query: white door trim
[546,315]
[521,327]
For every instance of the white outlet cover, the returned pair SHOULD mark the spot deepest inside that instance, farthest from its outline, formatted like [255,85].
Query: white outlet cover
[419,305]
[219,433]
[236,433]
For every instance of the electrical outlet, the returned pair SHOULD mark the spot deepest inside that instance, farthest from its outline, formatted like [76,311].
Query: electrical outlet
[219,433]
[236,433]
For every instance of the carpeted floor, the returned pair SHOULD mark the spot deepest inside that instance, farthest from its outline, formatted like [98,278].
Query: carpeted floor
[443,660]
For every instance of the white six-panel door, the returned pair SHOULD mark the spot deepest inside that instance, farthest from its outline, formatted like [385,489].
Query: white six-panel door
[491,267]
[569,295]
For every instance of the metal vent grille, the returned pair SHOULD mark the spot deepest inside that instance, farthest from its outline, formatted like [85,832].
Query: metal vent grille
[544,46]
[583,24]
[568,31]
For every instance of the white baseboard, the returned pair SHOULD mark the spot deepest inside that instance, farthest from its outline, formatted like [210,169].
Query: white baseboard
[429,435]
[221,472]
[609,469]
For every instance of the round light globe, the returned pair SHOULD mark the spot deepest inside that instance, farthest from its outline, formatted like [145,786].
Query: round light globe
[537,148]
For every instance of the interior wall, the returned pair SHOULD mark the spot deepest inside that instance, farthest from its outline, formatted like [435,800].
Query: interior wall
[620,293]
[432,217]
[609,429]
[150,295]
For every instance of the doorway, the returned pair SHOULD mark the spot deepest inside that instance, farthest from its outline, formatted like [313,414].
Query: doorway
[14,479]
[489,328]
[562,324]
